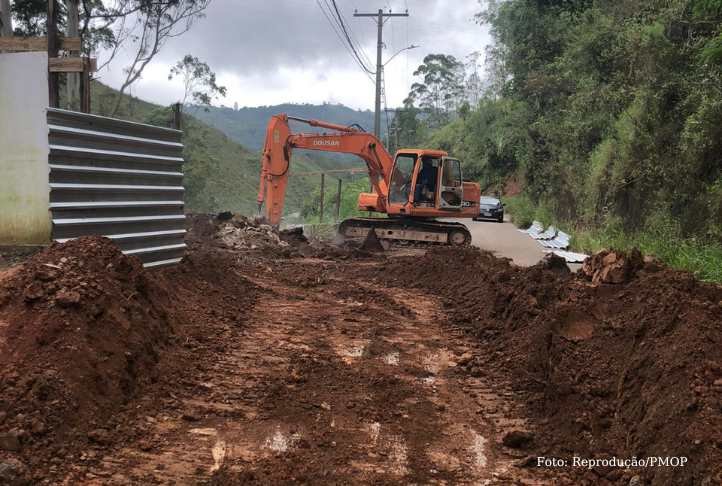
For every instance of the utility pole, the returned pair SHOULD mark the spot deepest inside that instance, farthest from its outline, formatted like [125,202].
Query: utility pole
[323,192]
[72,80]
[53,44]
[6,19]
[338,201]
[381,19]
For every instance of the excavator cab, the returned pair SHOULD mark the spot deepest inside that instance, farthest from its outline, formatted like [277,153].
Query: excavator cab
[423,182]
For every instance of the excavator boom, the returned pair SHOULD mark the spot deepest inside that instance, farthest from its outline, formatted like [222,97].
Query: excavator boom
[279,146]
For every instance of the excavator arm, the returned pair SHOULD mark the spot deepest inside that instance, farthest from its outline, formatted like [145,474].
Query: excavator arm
[276,161]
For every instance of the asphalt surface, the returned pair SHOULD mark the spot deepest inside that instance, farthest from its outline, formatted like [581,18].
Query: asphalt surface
[505,240]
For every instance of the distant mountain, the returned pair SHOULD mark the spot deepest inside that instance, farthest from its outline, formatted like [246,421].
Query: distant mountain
[247,126]
[220,173]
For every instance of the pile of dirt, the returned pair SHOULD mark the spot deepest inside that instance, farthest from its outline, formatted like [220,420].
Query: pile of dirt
[89,339]
[632,368]
[243,233]
[253,240]
[78,335]
[609,266]
[293,235]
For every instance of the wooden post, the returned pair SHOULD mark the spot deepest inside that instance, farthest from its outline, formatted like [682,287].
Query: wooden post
[338,201]
[52,25]
[178,116]
[6,19]
[73,79]
[85,88]
[323,188]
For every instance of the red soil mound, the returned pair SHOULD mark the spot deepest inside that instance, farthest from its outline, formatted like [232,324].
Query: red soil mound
[78,336]
[88,338]
[630,369]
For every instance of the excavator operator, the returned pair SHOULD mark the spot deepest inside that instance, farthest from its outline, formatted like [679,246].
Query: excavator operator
[424,191]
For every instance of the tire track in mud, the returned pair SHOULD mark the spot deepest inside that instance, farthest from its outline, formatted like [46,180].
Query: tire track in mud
[331,381]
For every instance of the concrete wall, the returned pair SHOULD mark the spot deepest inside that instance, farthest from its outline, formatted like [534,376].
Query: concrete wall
[24,187]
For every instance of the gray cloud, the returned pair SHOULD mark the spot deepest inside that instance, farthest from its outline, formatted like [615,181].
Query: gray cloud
[261,46]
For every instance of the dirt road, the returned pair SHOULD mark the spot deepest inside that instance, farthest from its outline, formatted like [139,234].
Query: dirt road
[329,382]
[319,364]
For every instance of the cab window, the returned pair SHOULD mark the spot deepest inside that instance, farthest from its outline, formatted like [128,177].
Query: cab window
[452,173]
[401,178]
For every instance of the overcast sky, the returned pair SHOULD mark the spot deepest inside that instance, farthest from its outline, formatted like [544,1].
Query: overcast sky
[268,52]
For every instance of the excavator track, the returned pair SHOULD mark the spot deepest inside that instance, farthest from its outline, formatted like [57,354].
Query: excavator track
[406,229]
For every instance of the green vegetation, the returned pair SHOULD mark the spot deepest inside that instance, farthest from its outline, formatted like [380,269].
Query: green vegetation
[350,189]
[662,239]
[247,125]
[609,115]
[220,174]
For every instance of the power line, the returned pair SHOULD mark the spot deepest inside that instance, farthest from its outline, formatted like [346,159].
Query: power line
[358,45]
[337,32]
[345,31]
[348,37]
[340,38]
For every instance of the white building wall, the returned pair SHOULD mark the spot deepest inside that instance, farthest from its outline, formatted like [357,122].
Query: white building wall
[24,187]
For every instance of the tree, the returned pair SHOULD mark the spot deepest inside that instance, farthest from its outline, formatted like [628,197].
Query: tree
[139,26]
[705,10]
[441,89]
[199,82]
[406,129]
[156,22]
[29,17]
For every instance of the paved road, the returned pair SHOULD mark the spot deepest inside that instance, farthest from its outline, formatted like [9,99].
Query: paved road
[505,240]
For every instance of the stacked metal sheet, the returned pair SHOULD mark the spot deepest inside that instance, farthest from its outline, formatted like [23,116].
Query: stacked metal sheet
[549,234]
[569,256]
[535,229]
[118,179]
[560,241]
[554,240]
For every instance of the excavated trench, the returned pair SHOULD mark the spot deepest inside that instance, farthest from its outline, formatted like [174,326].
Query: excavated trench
[272,361]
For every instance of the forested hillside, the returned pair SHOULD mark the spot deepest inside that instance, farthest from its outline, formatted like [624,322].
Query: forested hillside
[609,114]
[247,125]
[220,174]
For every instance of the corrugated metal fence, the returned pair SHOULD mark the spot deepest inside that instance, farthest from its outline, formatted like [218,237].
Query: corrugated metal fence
[118,179]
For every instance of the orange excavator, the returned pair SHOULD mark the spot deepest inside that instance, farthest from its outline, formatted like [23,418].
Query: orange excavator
[412,189]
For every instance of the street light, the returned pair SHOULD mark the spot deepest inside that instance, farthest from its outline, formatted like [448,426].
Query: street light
[399,52]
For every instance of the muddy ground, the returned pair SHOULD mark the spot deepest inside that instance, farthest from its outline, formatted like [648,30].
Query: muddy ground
[260,362]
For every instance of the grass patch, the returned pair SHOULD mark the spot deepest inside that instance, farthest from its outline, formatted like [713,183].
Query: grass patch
[660,237]
[702,258]
[523,211]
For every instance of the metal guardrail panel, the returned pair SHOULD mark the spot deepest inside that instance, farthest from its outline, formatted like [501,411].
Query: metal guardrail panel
[118,179]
